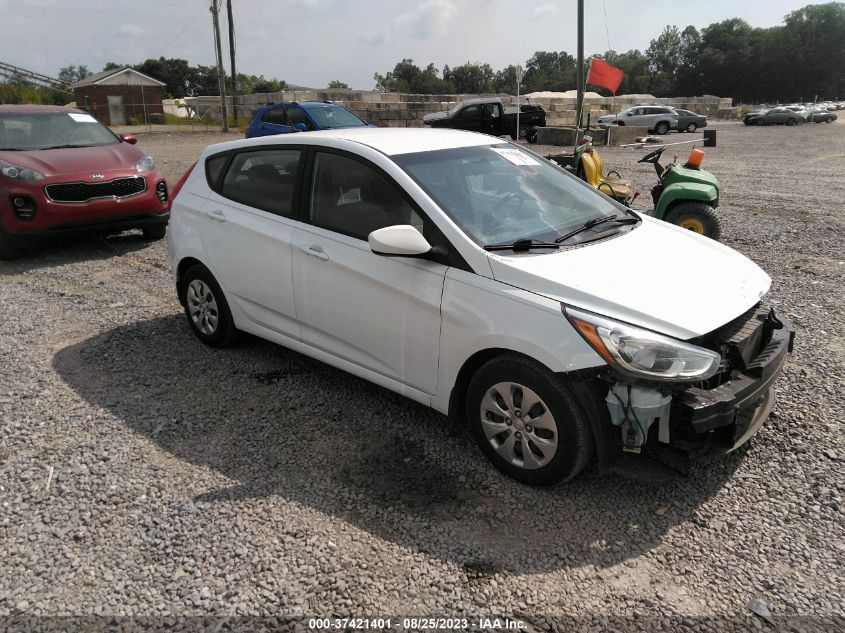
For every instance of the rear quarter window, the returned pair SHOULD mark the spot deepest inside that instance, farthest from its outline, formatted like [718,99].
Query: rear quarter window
[213,168]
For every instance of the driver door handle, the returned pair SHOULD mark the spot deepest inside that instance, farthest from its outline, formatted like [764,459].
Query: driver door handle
[218,215]
[314,250]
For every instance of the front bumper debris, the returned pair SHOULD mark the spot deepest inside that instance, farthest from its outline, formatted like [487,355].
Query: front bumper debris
[721,419]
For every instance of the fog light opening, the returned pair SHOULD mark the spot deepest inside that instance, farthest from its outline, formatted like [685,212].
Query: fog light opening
[24,208]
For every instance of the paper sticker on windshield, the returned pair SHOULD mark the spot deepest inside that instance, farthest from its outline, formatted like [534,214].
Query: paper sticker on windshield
[515,156]
[81,118]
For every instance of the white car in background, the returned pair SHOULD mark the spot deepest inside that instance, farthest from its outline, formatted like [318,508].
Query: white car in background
[479,279]
[658,119]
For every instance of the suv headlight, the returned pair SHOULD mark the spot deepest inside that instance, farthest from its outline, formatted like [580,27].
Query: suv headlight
[642,353]
[21,174]
[146,163]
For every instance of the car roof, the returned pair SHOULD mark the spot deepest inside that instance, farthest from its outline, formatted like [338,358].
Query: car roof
[29,108]
[301,104]
[389,141]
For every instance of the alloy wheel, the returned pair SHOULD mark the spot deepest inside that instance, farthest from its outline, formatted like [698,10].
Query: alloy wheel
[519,425]
[202,306]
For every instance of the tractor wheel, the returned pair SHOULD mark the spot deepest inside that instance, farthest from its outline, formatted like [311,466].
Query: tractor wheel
[692,127]
[696,216]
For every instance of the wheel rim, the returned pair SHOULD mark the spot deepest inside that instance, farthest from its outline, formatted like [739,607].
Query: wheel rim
[202,306]
[519,425]
[691,127]
[662,129]
[693,225]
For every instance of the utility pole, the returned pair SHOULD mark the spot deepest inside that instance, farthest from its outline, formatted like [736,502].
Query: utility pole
[579,74]
[232,57]
[221,75]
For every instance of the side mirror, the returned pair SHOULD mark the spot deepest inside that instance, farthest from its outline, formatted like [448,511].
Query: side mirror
[128,138]
[403,240]
[300,127]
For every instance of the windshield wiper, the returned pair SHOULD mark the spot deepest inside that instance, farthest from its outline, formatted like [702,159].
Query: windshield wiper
[520,246]
[595,222]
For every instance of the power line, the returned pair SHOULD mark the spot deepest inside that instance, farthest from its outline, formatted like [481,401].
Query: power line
[182,32]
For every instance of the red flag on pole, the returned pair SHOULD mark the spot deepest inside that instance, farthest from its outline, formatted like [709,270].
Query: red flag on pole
[604,75]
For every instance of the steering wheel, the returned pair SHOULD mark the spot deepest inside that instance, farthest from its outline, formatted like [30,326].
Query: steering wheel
[494,219]
[513,195]
[652,157]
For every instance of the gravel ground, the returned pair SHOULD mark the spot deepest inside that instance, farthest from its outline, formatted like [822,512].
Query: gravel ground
[146,479]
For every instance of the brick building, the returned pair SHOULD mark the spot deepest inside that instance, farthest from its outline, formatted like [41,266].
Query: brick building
[121,96]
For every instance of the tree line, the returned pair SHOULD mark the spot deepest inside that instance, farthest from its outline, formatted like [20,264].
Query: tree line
[798,60]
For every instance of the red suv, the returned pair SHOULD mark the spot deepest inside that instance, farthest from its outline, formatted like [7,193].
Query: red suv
[61,169]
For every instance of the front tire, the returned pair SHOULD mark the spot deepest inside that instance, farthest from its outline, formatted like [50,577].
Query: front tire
[531,135]
[661,128]
[698,217]
[206,307]
[10,246]
[528,421]
[154,232]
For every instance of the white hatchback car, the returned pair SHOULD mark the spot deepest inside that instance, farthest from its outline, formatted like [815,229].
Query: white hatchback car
[479,279]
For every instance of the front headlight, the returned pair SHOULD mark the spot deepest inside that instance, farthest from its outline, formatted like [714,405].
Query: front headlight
[643,353]
[146,163]
[20,174]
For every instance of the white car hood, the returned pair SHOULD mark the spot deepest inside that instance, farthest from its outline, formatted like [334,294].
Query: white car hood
[657,276]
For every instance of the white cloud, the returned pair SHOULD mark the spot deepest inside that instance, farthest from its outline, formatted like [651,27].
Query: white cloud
[135,30]
[430,19]
[543,10]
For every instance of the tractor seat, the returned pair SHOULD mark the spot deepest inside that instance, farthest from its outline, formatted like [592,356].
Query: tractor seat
[614,187]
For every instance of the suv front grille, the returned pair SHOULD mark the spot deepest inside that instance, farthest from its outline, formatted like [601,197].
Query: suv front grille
[75,192]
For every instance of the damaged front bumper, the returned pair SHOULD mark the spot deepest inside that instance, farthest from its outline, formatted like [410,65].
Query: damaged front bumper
[712,417]
[721,419]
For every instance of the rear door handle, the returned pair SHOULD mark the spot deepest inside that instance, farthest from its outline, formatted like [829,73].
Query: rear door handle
[314,250]
[218,215]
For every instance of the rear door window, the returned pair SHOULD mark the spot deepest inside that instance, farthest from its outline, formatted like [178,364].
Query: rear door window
[264,179]
[276,116]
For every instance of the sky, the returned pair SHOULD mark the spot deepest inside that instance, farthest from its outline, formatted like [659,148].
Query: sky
[312,42]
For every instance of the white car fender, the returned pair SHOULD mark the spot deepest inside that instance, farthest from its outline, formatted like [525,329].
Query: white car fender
[479,314]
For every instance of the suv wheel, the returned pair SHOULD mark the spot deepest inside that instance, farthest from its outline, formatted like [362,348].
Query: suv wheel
[10,246]
[528,421]
[155,231]
[206,307]
[661,128]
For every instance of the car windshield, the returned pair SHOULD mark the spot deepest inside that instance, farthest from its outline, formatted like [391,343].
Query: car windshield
[45,130]
[498,194]
[332,116]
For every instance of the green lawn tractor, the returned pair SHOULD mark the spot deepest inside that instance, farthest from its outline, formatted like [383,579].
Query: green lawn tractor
[684,195]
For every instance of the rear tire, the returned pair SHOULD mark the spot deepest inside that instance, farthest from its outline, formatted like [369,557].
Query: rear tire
[698,217]
[206,307]
[531,135]
[692,127]
[791,121]
[661,128]
[541,435]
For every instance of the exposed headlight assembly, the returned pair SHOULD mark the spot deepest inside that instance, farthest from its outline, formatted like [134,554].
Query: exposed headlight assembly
[146,163]
[642,353]
[21,174]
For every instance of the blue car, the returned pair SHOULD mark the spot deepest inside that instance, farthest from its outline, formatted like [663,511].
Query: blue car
[283,118]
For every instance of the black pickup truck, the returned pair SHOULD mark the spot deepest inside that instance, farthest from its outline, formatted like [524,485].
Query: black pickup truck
[491,117]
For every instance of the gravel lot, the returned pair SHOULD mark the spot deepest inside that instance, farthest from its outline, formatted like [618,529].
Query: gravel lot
[254,483]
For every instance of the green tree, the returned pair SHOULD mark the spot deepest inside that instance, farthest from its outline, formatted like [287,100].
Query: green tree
[470,78]
[549,71]
[71,74]
[407,77]
[338,85]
